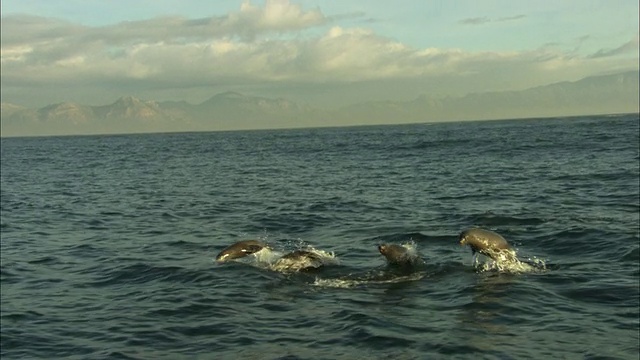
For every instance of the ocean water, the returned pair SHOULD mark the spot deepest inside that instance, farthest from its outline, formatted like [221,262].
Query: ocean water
[108,243]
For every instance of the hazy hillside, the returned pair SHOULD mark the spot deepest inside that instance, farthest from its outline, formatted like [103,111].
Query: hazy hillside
[616,93]
[232,110]
[594,95]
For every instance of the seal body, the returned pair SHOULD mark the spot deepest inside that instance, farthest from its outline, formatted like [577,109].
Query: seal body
[398,254]
[299,260]
[300,255]
[485,242]
[240,249]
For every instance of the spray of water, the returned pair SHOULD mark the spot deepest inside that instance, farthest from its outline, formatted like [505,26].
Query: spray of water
[507,261]
[345,283]
[275,260]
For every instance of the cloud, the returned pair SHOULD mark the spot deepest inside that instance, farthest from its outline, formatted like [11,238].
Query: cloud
[475,21]
[340,55]
[485,20]
[510,18]
[277,15]
[262,47]
[56,49]
[248,22]
[626,48]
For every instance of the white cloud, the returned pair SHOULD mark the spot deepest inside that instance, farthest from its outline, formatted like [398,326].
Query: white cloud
[276,15]
[485,20]
[248,22]
[174,52]
[630,47]
[15,53]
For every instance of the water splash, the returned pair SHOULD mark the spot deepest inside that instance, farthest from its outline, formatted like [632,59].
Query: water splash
[412,250]
[507,261]
[274,260]
[264,257]
[412,256]
[344,283]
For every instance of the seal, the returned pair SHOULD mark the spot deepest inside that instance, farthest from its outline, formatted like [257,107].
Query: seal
[240,249]
[484,242]
[300,255]
[397,254]
[299,260]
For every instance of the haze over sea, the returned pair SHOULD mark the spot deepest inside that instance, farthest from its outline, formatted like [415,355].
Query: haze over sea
[108,242]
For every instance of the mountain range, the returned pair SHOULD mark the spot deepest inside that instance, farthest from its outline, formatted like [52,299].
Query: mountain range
[606,94]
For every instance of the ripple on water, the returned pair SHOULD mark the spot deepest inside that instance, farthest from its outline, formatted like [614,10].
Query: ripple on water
[108,243]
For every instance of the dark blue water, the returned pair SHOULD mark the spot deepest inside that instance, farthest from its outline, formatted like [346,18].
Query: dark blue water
[108,242]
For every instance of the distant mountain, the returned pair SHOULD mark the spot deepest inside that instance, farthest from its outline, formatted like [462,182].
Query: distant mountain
[231,110]
[592,95]
[127,114]
[64,113]
[616,93]
[129,107]
[226,111]
[605,94]
[7,109]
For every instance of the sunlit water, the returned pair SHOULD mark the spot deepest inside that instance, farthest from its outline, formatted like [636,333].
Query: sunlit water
[108,243]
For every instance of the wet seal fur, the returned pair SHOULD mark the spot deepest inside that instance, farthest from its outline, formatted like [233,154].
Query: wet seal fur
[240,249]
[398,255]
[485,242]
[301,254]
[299,260]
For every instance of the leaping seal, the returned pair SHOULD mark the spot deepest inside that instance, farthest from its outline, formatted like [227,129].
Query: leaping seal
[240,249]
[484,242]
[398,254]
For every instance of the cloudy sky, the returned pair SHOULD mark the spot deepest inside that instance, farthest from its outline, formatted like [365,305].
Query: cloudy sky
[328,53]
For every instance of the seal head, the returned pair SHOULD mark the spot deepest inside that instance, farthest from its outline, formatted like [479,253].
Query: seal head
[483,241]
[240,249]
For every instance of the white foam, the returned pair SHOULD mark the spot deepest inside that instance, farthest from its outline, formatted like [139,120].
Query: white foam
[271,259]
[266,256]
[327,258]
[507,261]
[412,253]
[349,283]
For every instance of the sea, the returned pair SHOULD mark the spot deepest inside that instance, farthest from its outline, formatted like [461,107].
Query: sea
[109,242]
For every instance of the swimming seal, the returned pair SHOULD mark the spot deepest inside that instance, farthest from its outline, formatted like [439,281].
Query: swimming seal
[299,260]
[398,254]
[301,254]
[484,242]
[240,249]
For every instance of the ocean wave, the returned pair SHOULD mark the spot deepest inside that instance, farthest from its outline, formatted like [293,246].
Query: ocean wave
[142,273]
[490,220]
[107,243]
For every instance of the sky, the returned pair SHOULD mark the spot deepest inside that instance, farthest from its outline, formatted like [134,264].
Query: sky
[327,53]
